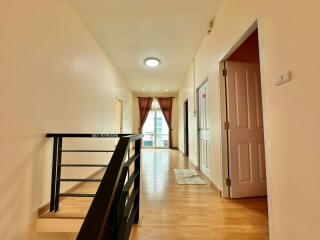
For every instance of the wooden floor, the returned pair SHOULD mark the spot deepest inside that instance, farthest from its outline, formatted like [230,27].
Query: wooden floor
[173,212]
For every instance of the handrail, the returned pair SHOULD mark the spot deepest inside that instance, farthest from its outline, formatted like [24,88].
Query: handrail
[88,135]
[114,208]
[98,213]
[57,159]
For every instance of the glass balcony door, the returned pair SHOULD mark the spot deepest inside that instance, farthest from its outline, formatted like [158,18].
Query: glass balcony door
[155,129]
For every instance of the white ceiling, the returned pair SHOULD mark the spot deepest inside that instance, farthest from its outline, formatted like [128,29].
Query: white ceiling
[131,30]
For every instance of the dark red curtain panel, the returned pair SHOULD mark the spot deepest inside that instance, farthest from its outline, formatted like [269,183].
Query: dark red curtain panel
[166,108]
[144,107]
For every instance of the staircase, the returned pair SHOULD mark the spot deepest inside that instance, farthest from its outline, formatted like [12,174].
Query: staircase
[103,206]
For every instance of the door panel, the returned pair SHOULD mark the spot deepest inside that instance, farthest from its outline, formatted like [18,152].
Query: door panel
[204,130]
[241,91]
[245,134]
[244,162]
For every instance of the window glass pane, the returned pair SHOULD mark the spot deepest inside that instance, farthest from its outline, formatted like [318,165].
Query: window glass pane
[148,131]
[155,104]
[155,129]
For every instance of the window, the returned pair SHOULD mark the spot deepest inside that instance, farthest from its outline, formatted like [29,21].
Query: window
[155,129]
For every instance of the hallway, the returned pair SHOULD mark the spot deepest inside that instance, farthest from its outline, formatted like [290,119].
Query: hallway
[171,211]
[234,80]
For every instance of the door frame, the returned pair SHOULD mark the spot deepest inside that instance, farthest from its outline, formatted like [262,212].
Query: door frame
[121,113]
[186,126]
[223,104]
[198,120]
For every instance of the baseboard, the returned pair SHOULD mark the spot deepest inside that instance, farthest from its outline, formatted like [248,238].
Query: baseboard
[208,180]
[45,208]
[181,152]
[216,188]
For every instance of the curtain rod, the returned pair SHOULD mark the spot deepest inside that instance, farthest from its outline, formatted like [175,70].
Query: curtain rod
[155,97]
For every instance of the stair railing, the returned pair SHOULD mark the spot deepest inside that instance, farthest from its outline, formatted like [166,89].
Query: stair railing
[116,204]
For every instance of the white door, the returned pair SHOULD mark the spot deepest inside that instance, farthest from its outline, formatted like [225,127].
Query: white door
[118,116]
[204,130]
[245,134]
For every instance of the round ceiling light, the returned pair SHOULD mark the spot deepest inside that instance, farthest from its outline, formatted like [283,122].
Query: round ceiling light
[152,62]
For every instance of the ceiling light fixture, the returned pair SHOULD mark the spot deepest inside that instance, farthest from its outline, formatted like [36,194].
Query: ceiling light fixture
[166,89]
[143,89]
[152,62]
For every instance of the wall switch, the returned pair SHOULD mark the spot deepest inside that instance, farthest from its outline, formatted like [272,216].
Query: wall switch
[285,77]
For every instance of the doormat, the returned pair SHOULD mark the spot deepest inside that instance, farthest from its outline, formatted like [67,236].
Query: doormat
[188,177]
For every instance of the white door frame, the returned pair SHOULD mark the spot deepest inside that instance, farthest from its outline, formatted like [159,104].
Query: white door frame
[198,125]
[119,101]
[121,115]
[222,87]
[186,126]
[121,121]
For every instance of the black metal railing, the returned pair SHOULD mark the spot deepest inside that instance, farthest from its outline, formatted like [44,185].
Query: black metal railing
[115,206]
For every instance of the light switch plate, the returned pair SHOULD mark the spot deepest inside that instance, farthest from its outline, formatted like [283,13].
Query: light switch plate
[284,77]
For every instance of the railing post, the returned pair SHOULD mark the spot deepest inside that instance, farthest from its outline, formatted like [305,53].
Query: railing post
[137,149]
[58,173]
[54,174]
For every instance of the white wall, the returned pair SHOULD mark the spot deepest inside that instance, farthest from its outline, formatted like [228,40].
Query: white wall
[188,92]
[289,40]
[53,78]
[136,116]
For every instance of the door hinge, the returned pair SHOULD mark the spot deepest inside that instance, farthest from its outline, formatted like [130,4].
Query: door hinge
[225,72]
[226,126]
[228,182]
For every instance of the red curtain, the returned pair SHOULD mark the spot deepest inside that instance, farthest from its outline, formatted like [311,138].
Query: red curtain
[166,108]
[144,107]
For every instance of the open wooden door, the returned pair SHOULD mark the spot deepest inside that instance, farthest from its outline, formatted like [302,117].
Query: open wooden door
[245,130]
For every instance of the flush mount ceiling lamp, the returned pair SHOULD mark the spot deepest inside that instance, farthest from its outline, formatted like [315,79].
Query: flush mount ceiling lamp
[152,62]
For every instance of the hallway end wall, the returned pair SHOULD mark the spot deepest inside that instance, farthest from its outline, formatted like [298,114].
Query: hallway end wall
[175,106]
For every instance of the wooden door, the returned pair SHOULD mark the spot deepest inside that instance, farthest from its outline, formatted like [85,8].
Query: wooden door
[245,134]
[204,130]
[186,128]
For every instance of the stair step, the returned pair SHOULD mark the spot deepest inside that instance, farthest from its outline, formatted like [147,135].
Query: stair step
[76,195]
[58,225]
[81,151]
[79,180]
[84,165]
